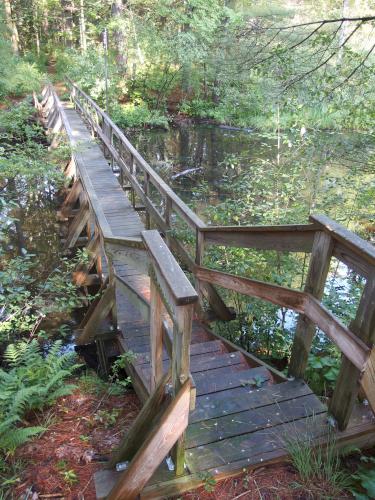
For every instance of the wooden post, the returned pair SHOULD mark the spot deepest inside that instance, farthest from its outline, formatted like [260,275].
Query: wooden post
[111,141]
[147,193]
[156,335]
[133,174]
[199,252]
[181,370]
[348,381]
[112,282]
[167,219]
[318,270]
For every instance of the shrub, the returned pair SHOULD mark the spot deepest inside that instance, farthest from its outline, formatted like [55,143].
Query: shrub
[31,382]
[17,77]
[138,115]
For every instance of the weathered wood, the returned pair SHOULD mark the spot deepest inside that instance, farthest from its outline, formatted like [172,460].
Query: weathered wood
[347,384]
[222,379]
[77,226]
[100,312]
[361,435]
[178,205]
[316,278]
[368,380]
[81,272]
[364,249]
[155,447]
[247,421]
[93,305]
[251,360]
[292,238]
[156,335]
[134,297]
[348,343]
[302,302]
[136,435]
[122,253]
[162,259]
[239,399]
[71,199]
[219,376]
[279,295]
[351,259]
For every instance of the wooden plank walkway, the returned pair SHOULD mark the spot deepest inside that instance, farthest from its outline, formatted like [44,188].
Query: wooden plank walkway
[245,410]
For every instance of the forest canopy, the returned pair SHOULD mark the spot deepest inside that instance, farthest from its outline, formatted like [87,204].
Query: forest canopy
[234,62]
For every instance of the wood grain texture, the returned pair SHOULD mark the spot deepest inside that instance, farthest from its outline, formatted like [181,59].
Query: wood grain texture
[157,444]
[315,281]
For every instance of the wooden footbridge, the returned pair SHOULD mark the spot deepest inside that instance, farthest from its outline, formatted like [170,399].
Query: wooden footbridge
[209,406]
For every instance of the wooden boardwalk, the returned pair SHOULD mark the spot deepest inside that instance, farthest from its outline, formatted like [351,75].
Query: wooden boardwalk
[243,411]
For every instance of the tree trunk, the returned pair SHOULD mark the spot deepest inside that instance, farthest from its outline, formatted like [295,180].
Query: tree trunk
[119,35]
[36,27]
[82,26]
[67,12]
[11,25]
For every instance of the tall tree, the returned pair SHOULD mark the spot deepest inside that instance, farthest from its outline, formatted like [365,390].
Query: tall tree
[12,27]
[119,35]
[82,26]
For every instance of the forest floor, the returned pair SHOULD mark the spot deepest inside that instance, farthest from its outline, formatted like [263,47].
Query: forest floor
[84,427]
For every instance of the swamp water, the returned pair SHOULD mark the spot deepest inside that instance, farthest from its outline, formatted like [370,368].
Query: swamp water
[235,177]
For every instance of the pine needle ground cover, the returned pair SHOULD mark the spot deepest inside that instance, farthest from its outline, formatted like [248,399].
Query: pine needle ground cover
[83,429]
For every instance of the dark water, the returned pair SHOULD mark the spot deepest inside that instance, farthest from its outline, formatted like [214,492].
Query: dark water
[334,174]
[337,166]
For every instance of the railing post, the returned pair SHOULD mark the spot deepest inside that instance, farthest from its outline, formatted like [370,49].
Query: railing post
[132,174]
[146,189]
[318,270]
[156,335]
[199,253]
[347,384]
[181,369]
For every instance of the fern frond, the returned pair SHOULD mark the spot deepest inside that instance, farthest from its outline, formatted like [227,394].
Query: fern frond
[61,391]
[16,436]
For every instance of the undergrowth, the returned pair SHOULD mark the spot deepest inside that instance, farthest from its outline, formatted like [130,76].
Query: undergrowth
[31,382]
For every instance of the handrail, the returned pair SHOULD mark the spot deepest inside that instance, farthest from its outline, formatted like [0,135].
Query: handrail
[349,344]
[159,183]
[92,199]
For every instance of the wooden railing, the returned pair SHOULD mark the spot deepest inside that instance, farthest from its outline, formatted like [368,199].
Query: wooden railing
[142,179]
[172,304]
[322,237]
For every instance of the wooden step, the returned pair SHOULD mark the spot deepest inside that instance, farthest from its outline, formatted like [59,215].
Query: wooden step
[252,420]
[229,377]
[195,349]
[204,363]
[253,447]
[235,400]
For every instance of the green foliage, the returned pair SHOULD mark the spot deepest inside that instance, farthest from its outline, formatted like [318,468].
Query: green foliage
[322,372]
[69,476]
[363,487]
[137,115]
[26,301]
[107,418]
[17,77]
[117,383]
[23,153]
[30,383]
[319,467]
[209,482]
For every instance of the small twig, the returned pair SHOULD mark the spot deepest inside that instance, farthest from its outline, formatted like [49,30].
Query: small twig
[85,488]
[52,495]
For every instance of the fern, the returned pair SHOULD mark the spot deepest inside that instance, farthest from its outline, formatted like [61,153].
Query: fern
[31,382]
